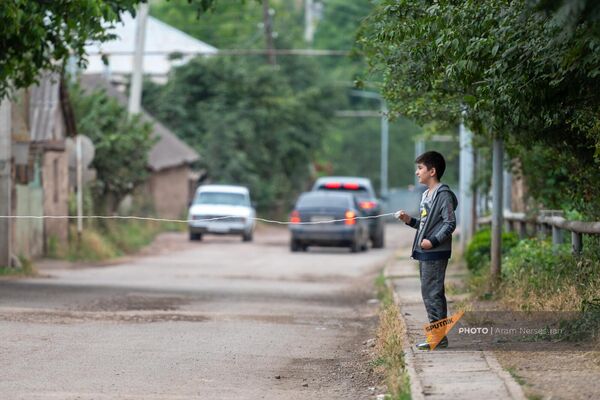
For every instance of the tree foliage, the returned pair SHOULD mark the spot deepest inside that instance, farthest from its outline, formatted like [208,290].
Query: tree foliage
[234,24]
[251,123]
[122,144]
[40,35]
[513,68]
[350,146]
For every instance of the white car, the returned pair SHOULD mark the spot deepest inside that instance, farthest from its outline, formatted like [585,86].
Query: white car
[219,201]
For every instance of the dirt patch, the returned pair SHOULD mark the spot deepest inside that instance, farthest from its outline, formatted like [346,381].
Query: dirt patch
[166,243]
[71,317]
[560,370]
[351,372]
[134,302]
[554,375]
[556,371]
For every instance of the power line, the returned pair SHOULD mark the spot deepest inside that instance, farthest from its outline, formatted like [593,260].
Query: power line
[233,52]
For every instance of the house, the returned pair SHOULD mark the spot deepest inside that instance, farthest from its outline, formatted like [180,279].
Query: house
[161,42]
[172,181]
[39,127]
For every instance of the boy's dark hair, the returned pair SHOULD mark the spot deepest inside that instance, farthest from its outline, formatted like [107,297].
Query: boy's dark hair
[433,159]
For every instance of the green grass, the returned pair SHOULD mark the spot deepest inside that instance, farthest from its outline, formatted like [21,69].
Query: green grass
[536,276]
[108,240]
[521,381]
[389,344]
[384,294]
[513,372]
[27,269]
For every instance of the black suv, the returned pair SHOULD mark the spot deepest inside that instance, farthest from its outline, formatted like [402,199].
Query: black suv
[368,202]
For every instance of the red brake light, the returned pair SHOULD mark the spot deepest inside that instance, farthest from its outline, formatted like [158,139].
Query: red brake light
[295,217]
[350,218]
[351,186]
[367,205]
[333,185]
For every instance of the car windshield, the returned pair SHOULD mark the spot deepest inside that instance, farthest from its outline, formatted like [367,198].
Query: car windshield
[323,201]
[228,199]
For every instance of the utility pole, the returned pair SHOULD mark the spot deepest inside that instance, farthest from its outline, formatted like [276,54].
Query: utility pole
[309,26]
[384,148]
[267,21]
[135,91]
[419,149]
[507,190]
[466,181]
[496,250]
[5,182]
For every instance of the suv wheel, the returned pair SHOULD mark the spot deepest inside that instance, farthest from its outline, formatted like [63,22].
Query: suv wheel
[247,237]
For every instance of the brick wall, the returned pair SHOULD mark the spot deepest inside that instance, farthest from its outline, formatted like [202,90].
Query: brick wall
[170,191]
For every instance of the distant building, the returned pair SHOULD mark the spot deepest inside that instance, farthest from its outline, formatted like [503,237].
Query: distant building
[172,182]
[161,41]
[39,127]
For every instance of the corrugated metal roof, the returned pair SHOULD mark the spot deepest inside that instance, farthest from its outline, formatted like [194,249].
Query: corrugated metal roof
[169,151]
[44,108]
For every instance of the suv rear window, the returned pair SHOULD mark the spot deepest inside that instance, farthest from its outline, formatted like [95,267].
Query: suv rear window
[316,200]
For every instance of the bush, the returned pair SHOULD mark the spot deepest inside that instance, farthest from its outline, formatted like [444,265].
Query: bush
[479,249]
[537,276]
[111,239]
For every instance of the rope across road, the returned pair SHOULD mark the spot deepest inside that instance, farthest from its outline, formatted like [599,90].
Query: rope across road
[131,217]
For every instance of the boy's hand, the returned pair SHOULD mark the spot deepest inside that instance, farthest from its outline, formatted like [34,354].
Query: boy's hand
[403,216]
[426,244]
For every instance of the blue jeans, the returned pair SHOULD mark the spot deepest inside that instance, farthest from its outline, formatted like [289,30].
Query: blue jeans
[433,273]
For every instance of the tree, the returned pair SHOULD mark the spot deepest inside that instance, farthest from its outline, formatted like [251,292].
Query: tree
[250,123]
[231,24]
[122,144]
[513,68]
[40,35]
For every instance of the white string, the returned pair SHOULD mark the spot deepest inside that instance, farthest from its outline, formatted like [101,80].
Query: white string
[269,221]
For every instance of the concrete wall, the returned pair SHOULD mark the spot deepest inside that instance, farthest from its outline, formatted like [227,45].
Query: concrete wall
[55,182]
[170,191]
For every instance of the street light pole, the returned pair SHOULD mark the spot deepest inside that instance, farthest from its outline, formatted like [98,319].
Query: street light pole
[496,247]
[384,148]
[419,149]
[465,182]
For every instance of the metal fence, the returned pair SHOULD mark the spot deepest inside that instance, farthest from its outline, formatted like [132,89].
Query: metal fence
[548,222]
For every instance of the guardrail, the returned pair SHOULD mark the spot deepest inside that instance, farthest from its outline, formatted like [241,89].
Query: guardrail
[548,221]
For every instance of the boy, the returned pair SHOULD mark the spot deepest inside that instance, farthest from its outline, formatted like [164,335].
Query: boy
[433,241]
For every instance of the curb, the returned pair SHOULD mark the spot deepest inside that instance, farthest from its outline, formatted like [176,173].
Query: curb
[416,389]
[515,390]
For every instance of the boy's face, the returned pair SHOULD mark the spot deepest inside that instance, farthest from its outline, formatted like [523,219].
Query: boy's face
[424,174]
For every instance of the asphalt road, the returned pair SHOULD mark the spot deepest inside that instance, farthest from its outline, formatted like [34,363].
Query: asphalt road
[217,319]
